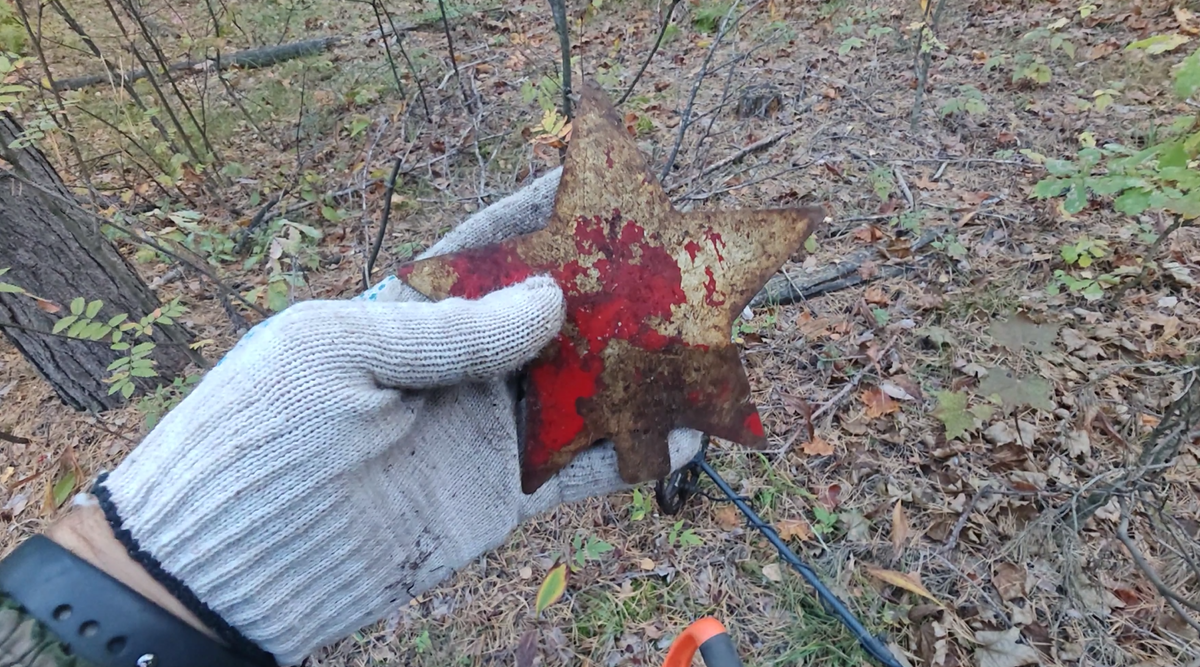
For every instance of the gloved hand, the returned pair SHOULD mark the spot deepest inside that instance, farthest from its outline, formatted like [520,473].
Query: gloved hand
[348,455]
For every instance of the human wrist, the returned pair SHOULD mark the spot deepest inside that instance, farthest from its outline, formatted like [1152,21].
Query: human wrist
[85,533]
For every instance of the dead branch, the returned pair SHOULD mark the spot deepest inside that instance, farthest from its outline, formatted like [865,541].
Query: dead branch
[780,290]
[454,60]
[399,34]
[1177,602]
[255,58]
[558,9]
[653,50]
[761,144]
[685,120]
[1179,425]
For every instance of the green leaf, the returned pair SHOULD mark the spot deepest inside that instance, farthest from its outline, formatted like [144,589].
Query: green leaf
[1092,291]
[1060,167]
[143,373]
[1015,391]
[118,363]
[810,245]
[848,45]
[63,488]
[142,348]
[1077,198]
[117,319]
[9,288]
[1173,155]
[120,347]
[1159,43]
[1070,254]
[552,588]
[64,323]
[1187,76]
[1050,187]
[77,305]
[127,389]
[277,295]
[597,547]
[93,308]
[76,329]
[952,412]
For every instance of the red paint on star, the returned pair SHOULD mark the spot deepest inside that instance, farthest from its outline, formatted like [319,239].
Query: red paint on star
[717,243]
[754,424]
[692,249]
[710,288]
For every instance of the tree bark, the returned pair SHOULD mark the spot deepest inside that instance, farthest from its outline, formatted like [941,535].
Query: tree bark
[56,251]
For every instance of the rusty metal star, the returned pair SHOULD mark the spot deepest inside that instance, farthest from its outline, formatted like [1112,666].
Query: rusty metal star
[651,296]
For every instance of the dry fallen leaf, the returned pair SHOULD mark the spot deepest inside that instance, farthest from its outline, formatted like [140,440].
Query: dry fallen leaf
[797,528]
[876,295]
[901,388]
[878,403]
[910,582]
[1009,580]
[646,564]
[1019,332]
[925,184]
[1078,443]
[727,517]
[900,527]
[868,234]
[1001,649]
[817,447]
[525,572]
[773,572]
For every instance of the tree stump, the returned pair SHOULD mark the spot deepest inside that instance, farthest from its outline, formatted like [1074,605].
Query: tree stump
[55,250]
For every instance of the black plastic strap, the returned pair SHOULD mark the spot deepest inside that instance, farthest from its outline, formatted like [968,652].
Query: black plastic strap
[101,619]
[719,651]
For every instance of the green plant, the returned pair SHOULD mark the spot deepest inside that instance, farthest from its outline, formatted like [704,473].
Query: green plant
[640,506]
[707,17]
[1161,175]
[592,549]
[883,182]
[849,44]
[679,536]
[969,101]
[81,324]
[1081,253]
[545,91]
[824,521]
[10,65]
[164,398]
[1087,284]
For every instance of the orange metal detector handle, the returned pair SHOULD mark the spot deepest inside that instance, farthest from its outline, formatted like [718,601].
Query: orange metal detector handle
[708,636]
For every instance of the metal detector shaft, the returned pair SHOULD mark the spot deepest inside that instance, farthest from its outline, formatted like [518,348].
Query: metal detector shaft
[869,642]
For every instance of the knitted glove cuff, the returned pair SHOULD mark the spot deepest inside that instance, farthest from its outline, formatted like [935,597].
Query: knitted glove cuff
[211,619]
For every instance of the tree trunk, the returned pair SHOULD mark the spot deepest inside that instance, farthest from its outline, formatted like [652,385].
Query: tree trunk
[56,251]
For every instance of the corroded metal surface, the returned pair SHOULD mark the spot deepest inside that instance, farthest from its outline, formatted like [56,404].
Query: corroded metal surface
[651,297]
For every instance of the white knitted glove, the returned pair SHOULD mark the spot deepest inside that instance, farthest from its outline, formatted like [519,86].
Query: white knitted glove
[348,455]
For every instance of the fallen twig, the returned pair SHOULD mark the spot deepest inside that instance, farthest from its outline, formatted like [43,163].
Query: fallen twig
[264,56]
[761,144]
[780,290]
[952,541]
[1176,601]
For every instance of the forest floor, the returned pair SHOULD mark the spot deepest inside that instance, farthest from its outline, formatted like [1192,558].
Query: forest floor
[967,412]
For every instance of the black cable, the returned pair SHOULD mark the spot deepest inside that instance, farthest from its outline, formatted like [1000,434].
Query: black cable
[829,601]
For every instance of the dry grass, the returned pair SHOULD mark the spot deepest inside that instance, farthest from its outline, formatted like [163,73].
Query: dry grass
[1076,595]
